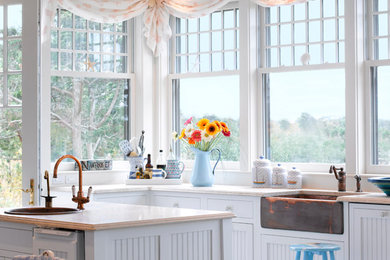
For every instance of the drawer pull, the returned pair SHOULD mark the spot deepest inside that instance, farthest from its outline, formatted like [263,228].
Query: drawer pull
[384,214]
[229,208]
[176,205]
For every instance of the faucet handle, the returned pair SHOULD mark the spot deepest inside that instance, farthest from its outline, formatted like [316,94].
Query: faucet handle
[73,191]
[89,192]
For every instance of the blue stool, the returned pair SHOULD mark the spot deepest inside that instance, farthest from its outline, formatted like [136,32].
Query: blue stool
[311,249]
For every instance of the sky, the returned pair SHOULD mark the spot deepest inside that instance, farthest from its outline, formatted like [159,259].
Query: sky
[210,95]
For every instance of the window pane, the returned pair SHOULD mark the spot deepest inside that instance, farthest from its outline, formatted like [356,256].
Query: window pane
[15,89]
[80,23]
[66,40]
[87,133]
[307,116]
[383,117]
[15,20]
[228,19]
[15,54]
[299,12]
[66,19]
[221,102]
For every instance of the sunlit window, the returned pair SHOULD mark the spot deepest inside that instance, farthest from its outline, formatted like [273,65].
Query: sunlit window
[203,47]
[89,87]
[307,116]
[304,112]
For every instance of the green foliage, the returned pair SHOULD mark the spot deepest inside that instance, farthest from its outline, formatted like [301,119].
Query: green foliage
[10,157]
[308,140]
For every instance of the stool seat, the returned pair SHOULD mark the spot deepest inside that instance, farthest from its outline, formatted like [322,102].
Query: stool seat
[311,249]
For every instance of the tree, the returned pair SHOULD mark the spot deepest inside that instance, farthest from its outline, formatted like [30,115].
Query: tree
[90,109]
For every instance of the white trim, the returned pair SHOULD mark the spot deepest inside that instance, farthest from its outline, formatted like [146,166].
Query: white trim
[325,66]
[354,91]
[203,74]
[31,99]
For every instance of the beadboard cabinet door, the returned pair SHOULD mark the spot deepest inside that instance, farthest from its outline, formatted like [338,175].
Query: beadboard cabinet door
[370,232]
[242,241]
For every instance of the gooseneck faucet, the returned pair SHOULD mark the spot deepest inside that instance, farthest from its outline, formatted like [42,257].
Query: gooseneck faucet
[80,199]
[340,176]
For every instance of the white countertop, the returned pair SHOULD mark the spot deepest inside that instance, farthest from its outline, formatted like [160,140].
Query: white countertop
[370,198]
[99,216]
[216,189]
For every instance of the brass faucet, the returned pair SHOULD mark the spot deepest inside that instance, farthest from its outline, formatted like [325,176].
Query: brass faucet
[80,199]
[48,198]
[340,176]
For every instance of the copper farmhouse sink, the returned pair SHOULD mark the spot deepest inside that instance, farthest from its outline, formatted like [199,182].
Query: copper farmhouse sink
[303,212]
[41,211]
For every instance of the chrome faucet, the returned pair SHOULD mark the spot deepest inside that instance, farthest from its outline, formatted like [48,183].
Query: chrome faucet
[80,199]
[340,176]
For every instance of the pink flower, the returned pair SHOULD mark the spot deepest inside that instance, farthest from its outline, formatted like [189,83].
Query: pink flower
[188,121]
[197,136]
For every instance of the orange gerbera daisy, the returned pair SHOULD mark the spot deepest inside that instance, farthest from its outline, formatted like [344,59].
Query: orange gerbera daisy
[183,134]
[224,126]
[202,123]
[212,129]
[191,141]
[218,124]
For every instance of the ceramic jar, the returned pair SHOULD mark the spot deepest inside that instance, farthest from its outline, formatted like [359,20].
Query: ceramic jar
[294,179]
[262,173]
[279,177]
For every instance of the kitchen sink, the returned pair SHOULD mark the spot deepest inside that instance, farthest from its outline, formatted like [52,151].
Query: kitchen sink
[41,211]
[303,212]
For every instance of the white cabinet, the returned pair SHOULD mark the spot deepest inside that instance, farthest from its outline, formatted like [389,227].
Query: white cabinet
[15,239]
[278,247]
[242,241]
[162,199]
[370,232]
[135,198]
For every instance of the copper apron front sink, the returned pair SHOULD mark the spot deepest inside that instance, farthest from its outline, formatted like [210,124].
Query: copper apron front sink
[303,212]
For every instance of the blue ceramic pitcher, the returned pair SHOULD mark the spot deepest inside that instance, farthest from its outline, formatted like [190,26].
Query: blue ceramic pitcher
[202,176]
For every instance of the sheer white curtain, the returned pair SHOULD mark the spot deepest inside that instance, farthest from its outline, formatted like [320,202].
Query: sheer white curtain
[155,13]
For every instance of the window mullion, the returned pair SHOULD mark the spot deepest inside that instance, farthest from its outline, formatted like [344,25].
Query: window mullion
[5,59]
[374,115]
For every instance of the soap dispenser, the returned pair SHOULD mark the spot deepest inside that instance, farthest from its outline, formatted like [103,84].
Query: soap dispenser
[262,173]
[279,176]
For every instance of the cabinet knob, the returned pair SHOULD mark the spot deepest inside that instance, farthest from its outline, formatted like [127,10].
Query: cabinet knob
[384,214]
[229,208]
[176,204]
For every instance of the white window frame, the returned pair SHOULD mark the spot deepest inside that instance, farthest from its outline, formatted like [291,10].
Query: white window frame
[31,111]
[370,63]
[351,142]
[247,72]
[118,165]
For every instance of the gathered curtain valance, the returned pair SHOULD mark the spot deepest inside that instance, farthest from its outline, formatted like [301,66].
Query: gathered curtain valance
[155,13]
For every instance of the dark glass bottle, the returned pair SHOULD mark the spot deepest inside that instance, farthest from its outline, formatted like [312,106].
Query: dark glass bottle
[149,163]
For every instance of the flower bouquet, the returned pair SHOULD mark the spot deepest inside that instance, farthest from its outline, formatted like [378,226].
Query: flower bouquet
[205,135]
[202,139]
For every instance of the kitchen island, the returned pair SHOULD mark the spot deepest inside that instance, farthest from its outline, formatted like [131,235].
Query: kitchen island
[120,231]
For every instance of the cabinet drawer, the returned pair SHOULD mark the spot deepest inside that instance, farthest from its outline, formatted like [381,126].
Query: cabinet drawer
[176,202]
[241,208]
[123,198]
